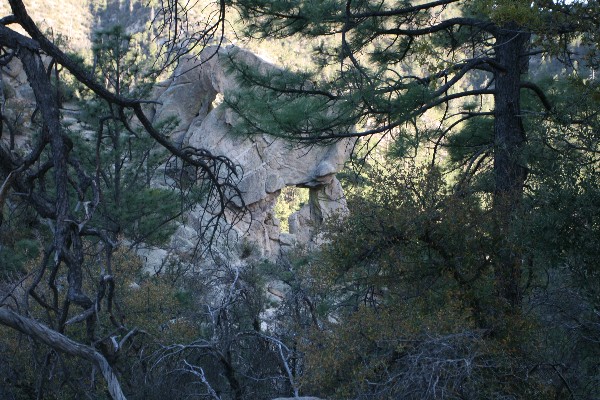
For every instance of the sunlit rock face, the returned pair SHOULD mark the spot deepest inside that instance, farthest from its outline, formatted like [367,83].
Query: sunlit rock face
[194,97]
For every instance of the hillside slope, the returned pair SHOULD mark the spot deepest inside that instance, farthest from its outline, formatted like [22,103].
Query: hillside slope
[70,18]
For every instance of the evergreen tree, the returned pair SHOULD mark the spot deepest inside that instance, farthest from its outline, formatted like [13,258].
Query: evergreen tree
[464,63]
[477,252]
[126,161]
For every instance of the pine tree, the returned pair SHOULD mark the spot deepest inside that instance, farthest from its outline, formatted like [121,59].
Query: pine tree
[398,63]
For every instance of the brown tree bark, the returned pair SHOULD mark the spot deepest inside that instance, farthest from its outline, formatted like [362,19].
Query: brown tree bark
[509,171]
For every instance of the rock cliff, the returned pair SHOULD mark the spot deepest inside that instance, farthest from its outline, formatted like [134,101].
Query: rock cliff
[194,97]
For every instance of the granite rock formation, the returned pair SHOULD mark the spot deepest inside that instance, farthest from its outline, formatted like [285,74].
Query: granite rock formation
[194,96]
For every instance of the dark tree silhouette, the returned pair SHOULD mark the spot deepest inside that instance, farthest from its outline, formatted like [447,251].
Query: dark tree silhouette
[51,176]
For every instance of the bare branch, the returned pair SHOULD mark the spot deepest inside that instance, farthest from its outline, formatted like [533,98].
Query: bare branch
[199,372]
[62,343]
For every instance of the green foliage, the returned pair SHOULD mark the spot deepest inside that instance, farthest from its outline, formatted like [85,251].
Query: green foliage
[475,136]
[127,159]
[15,253]
[299,115]
[410,272]
[290,200]
[144,214]
[20,240]
[407,286]
[509,11]
[407,227]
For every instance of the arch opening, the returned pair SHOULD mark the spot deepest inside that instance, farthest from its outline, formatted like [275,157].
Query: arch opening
[290,200]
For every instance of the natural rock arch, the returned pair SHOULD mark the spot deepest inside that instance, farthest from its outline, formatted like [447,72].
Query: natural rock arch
[269,164]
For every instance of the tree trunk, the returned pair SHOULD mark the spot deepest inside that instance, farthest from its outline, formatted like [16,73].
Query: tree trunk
[509,171]
[62,343]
